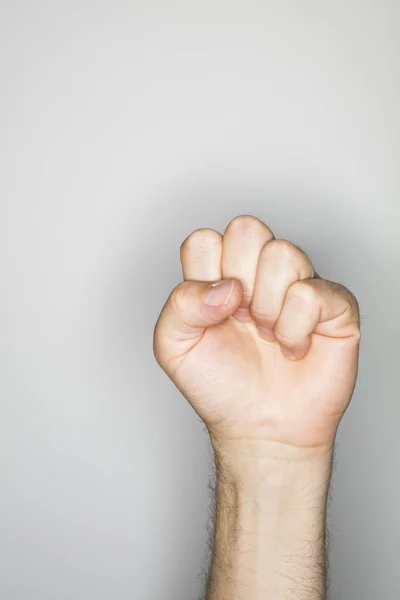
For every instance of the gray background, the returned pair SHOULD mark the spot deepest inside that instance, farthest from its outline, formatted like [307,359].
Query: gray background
[125,126]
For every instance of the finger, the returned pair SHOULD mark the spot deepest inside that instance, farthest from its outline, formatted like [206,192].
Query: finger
[201,254]
[280,265]
[316,276]
[243,240]
[316,306]
[191,307]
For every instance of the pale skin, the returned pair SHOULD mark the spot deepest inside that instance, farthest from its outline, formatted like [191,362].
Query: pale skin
[270,366]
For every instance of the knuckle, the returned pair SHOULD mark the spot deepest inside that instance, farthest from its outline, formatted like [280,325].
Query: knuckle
[301,289]
[295,261]
[353,302]
[347,295]
[289,254]
[246,223]
[201,239]
[355,316]
[278,248]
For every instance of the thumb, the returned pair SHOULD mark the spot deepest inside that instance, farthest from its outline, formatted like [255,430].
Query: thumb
[191,307]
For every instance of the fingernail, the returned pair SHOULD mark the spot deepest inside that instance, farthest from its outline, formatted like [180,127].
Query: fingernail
[288,353]
[266,334]
[219,293]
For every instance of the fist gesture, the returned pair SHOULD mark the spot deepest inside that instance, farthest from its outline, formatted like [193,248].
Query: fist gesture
[263,348]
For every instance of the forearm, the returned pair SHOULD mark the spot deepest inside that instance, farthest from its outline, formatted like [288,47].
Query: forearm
[269,539]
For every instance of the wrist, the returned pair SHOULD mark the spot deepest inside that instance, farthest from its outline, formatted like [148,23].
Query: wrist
[259,465]
[271,516]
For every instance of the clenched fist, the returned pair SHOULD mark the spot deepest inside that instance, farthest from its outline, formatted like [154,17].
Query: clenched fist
[263,348]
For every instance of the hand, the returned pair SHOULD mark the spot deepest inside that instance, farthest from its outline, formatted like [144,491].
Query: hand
[227,347]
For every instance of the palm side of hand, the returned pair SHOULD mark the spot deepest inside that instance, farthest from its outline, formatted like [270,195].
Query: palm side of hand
[240,383]
[244,387]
